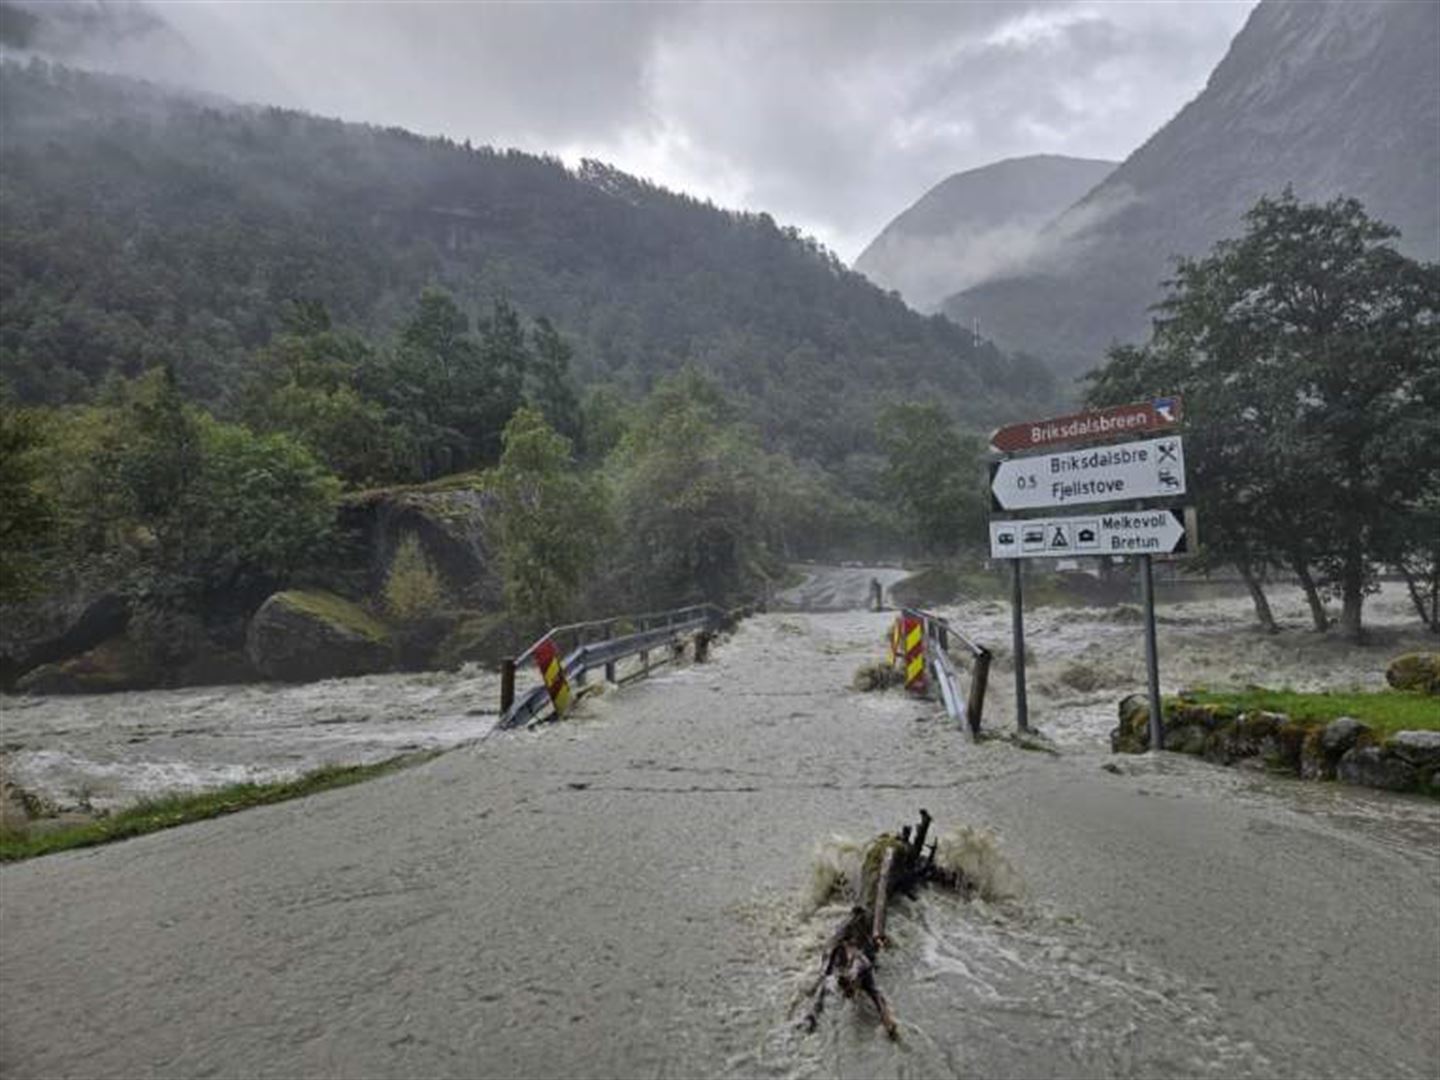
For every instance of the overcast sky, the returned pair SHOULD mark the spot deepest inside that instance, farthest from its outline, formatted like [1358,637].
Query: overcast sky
[831,116]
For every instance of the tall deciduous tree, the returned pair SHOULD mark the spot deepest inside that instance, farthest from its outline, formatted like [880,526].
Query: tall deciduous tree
[27,520]
[553,523]
[935,473]
[1309,353]
[691,500]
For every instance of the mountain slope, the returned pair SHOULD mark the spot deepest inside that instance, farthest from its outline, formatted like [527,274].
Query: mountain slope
[140,227]
[1332,98]
[975,224]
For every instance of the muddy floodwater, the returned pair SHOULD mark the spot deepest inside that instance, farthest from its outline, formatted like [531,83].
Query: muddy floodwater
[641,890]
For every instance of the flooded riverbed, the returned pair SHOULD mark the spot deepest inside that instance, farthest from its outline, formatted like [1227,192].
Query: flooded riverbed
[631,892]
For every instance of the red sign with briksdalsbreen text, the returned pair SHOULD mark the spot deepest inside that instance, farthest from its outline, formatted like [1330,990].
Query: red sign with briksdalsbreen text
[1157,414]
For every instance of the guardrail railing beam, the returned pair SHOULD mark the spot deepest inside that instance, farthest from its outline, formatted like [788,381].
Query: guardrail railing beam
[596,645]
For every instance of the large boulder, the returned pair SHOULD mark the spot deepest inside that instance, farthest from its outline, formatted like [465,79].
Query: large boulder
[1372,766]
[1415,671]
[1418,748]
[61,626]
[302,635]
[117,663]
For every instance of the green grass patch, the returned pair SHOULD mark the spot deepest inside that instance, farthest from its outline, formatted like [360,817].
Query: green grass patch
[168,811]
[1386,711]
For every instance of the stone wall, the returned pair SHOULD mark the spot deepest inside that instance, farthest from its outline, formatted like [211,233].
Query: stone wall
[1344,749]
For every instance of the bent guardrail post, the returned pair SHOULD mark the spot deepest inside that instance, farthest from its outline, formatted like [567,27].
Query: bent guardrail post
[937,632]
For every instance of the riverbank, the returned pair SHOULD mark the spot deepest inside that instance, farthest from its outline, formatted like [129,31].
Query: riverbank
[44,832]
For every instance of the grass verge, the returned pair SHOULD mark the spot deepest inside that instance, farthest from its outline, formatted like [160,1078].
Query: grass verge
[1385,711]
[168,811]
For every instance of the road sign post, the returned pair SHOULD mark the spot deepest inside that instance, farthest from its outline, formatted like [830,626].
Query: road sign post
[1017,642]
[1140,469]
[1152,654]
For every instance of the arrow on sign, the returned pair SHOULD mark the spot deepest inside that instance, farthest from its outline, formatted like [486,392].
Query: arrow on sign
[1152,468]
[1126,532]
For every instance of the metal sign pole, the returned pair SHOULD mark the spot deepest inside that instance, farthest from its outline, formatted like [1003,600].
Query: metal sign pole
[1017,624]
[1152,662]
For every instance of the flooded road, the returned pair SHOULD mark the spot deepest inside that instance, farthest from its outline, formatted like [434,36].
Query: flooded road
[631,892]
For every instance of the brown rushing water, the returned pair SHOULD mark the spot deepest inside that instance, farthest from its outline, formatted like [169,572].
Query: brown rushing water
[631,893]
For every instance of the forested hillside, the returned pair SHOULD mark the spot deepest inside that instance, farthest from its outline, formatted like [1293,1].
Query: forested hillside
[141,228]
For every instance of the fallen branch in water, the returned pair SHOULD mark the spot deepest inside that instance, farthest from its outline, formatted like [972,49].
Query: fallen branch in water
[891,864]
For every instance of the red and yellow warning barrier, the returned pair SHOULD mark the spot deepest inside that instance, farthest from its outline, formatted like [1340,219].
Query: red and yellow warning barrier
[547,659]
[912,632]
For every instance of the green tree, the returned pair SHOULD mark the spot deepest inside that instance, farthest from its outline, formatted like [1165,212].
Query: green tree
[27,517]
[553,523]
[180,505]
[936,474]
[307,383]
[551,388]
[1309,353]
[691,500]
[412,587]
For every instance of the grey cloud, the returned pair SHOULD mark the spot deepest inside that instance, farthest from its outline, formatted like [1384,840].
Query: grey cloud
[830,116]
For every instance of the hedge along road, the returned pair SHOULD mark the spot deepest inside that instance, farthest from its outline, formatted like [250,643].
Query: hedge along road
[624,894]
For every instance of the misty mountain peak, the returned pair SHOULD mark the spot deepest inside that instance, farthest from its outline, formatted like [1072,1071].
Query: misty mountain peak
[975,224]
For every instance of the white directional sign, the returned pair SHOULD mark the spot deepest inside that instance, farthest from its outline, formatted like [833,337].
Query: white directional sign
[1124,532]
[1148,469]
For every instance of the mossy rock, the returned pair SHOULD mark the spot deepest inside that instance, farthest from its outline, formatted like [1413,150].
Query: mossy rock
[305,634]
[1289,741]
[1415,671]
[1132,736]
[1315,763]
[1186,739]
[116,664]
[1419,748]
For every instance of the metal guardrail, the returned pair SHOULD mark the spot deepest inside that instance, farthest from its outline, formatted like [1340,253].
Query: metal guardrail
[938,633]
[597,644]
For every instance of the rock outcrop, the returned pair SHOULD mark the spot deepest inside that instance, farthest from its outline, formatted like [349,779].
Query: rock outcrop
[56,628]
[451,519]
[304,635]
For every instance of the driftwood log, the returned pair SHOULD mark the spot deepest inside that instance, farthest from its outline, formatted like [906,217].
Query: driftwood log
[892,864]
